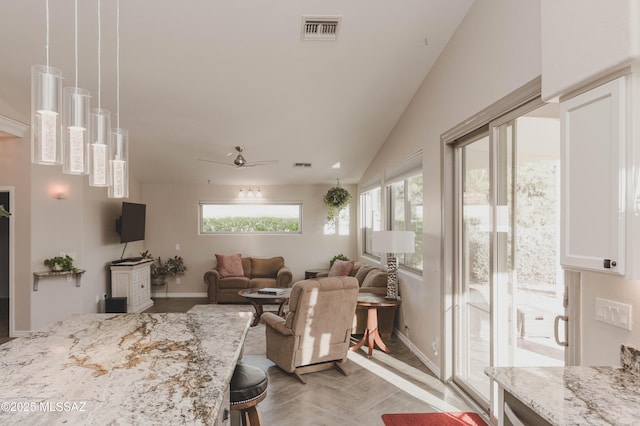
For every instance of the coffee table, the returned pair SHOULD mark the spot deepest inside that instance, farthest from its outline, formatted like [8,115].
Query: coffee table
[371,336]
[258,300]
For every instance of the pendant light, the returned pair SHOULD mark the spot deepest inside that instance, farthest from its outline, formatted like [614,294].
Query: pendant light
[75,139]
[100,126]
[119,163]
[46,105]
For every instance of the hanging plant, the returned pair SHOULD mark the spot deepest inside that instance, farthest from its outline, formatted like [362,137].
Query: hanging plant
[335,199]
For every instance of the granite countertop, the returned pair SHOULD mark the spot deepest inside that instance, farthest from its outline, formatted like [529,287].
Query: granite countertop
[162,368]
[574,395]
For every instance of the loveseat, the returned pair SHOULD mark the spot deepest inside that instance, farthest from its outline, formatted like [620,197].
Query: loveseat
[370,280]
[224,283]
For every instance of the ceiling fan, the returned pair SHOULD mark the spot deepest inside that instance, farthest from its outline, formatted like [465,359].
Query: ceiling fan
[240,161]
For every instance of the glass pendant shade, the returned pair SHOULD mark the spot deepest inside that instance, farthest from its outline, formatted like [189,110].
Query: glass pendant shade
[99,152]
[76,103]
[119,164]
[46,106]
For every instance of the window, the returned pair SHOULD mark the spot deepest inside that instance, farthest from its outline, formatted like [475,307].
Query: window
[244,218]
[340,224]
[405,214]
[371,208]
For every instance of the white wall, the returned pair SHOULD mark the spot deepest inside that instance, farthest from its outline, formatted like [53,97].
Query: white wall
[585,39]
[81,223]
[495,51]
[601,342]
[172,218]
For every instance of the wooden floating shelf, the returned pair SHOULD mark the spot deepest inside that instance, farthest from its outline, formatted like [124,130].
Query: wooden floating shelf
[47,274]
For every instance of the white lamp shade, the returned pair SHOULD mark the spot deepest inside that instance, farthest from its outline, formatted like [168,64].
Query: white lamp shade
[393,242]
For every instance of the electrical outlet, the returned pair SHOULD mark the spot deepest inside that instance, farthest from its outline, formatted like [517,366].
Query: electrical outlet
[178,281]
[177,246]
[614,313]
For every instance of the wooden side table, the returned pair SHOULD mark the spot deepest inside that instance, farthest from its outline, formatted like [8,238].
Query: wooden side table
[371,335]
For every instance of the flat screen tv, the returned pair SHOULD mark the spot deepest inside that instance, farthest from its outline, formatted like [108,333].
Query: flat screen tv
[130,225]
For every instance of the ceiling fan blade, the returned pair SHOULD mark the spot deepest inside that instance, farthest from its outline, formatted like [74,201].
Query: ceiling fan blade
[216,162]
[261,163]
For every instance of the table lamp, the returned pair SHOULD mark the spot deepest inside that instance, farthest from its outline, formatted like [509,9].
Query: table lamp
[392,242]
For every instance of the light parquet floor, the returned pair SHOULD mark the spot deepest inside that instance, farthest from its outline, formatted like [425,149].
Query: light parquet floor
[386,383]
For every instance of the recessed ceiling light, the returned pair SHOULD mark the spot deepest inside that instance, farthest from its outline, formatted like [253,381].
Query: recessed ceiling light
[336,166]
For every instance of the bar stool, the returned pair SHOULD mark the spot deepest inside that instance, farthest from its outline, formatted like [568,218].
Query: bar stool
[248,387]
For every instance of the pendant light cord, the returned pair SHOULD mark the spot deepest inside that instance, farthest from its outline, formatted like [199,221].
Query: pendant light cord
[76,39]
[99,55]
[117,63]
[46,47]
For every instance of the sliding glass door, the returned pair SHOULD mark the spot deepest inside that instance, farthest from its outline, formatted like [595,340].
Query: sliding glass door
[508,282]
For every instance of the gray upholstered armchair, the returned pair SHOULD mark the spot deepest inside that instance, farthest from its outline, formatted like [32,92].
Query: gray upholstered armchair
[315,334]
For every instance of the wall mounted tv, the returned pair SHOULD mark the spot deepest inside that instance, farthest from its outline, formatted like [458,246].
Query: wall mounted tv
[131,224]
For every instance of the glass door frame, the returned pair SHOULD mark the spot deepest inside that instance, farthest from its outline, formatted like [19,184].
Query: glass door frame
[518,103]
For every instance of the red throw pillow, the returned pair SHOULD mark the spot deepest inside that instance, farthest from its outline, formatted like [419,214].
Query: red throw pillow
[341,268]
[230,265]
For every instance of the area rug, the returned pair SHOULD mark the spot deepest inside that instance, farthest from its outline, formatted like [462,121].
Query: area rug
[433,419]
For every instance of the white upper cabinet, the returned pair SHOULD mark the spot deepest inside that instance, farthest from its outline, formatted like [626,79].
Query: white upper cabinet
[594,171]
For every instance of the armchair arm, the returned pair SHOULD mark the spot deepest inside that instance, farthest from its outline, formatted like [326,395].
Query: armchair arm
[212,278]
[277,323]
[284,277]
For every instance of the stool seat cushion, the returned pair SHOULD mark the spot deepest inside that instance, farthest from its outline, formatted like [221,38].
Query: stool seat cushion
[248,382]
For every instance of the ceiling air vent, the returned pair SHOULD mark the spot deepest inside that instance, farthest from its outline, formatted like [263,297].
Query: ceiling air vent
[320,27]
[302,165]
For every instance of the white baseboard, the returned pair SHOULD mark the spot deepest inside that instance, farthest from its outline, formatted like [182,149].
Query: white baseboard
[21,333]
[422,357]
[163,295]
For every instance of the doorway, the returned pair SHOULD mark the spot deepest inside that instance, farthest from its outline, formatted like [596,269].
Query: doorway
[5,263]
[508,285]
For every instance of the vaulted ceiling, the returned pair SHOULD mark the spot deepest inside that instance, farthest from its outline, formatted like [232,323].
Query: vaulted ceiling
[200,77]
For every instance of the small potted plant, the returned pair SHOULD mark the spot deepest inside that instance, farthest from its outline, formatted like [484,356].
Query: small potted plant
[337,257]
[161,269]
[60,264]
[335,199]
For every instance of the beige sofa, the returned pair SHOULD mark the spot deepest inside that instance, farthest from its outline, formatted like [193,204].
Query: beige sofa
[370,280]
[258,273]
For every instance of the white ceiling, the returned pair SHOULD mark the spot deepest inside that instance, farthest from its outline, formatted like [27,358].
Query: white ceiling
[199,77]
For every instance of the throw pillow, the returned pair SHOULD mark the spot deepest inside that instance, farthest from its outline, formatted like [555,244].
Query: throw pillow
[362,273]
[375,279]
[341,268]
[230,265]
